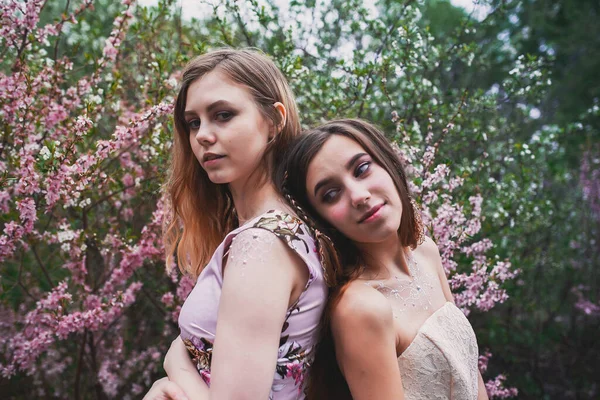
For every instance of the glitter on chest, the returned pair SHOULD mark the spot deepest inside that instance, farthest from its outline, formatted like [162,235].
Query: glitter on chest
[405,293]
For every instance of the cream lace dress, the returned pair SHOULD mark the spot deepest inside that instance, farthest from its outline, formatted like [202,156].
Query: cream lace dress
[441,361]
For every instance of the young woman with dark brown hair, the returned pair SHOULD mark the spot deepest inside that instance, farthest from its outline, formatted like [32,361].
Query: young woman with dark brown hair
[391,330]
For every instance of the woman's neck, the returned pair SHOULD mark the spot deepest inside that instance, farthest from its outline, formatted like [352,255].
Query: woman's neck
[384,259]
[251,200]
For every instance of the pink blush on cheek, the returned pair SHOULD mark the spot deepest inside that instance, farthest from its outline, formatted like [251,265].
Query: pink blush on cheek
[336,216]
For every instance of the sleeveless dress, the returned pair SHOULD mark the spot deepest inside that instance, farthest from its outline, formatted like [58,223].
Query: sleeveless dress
[441,362]
[198,317]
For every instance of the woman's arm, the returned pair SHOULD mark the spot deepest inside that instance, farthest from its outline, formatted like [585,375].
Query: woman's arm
[481,389]
[181,371]
[365,344]
[259,277]
[183,381]
[164,389]
[431,251]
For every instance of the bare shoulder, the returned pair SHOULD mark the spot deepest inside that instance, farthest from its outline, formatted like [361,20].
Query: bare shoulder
[428,248]
[429,252]
[253,239]
[361,306]
[362,325]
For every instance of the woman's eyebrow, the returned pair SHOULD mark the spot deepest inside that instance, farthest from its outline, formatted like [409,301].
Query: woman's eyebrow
[218,103]
[320,184]
[349,165]
[351,162]
[211,106]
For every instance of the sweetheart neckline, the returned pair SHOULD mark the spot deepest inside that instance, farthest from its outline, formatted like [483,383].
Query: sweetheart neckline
[419,331]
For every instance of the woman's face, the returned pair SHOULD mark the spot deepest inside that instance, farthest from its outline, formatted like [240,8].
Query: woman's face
[353,193]
[228,134]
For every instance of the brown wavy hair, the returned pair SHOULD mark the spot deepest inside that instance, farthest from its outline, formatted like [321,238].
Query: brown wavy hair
[325,378]
[203,209]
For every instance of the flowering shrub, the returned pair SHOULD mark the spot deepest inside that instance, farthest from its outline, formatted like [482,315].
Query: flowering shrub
[87,307]
[453,226]
[590,182]
[81,163]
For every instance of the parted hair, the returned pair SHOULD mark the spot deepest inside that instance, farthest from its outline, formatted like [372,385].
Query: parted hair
[202,211]
[342,259]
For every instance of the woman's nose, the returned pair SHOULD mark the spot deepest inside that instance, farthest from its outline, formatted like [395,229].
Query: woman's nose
[205,136]
[359,195]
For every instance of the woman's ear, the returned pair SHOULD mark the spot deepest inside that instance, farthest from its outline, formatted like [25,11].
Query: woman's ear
[283,114]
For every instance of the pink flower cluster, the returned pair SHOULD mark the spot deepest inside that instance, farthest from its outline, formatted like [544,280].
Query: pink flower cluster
[18,18]
[495,387]
[51,321]
[72,206]
[590,181]
[454,224]
[583,304]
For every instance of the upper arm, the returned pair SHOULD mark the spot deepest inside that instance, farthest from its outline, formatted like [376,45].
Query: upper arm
[365,344]
[481,389]
[257,283]
[432,252]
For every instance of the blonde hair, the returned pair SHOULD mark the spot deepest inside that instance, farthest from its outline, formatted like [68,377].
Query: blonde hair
[204,209]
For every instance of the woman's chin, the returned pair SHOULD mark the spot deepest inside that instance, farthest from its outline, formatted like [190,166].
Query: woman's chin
[219,179]
[381,235]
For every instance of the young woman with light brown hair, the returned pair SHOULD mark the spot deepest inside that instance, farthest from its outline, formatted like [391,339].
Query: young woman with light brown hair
[250,323]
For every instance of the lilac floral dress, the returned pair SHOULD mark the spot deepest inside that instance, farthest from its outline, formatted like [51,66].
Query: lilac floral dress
[198,318]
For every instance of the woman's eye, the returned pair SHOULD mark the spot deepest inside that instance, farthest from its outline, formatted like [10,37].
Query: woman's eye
[362,168]
[193,124]
[223,116]
[330,196]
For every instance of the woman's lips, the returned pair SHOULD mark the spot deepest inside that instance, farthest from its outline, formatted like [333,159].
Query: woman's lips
[372,214]
[212,161]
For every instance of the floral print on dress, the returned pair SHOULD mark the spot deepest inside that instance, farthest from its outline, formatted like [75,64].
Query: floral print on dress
[201,352]
[292,362]
[284,226]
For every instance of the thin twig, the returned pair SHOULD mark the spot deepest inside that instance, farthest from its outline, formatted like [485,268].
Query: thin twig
[79,364]
[42,266]
[378,53]
[59,25]
[108,196]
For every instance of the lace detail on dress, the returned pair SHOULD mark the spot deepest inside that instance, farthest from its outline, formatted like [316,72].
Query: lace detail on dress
[441,362]
[414,292]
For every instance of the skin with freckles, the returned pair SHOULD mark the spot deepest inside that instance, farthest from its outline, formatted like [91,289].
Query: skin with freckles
[225,124]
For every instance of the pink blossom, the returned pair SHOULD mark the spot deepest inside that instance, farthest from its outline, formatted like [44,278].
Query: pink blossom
[496,389]
[82,125]
[583,304]
[167,299]
[483,361]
